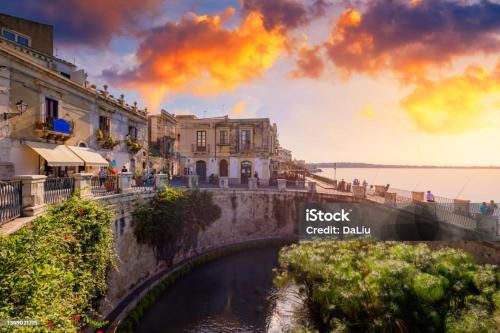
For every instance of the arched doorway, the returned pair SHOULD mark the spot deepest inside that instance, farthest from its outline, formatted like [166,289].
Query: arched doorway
[223,168]
[201,170]
[246,171]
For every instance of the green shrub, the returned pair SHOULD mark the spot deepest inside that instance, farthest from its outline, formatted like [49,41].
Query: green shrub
[367,286]
[172,220]
[53,269]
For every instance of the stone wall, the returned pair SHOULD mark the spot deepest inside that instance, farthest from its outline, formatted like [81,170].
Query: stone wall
[245,216]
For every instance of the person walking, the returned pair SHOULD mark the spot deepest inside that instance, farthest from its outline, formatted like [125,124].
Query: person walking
[102,176]
[429,196]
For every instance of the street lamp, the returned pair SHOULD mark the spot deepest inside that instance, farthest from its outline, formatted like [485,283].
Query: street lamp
[21,108]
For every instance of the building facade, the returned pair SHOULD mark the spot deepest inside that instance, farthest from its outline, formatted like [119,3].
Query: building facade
[224,147]
[47,109]
[163,142]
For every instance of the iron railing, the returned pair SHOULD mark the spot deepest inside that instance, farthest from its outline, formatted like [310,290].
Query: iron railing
[58,189]
[11,200]
[102,186]
[143,184]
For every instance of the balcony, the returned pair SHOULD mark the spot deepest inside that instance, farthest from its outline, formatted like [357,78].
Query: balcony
[105,140]
[133,146]
[54,129]
[200,149]
[245,147]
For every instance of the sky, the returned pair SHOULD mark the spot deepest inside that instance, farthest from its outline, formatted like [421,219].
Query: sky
[376,81]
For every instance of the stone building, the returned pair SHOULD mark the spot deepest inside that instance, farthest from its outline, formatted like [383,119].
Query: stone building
[52,121]
[224,147]
[163,142]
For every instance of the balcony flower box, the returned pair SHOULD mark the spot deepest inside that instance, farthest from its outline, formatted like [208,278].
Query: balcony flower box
[133,146]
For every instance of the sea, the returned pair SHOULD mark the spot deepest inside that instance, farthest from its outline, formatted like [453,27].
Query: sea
[477,185]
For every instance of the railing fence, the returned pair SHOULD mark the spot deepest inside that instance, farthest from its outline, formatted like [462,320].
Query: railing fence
[102,186]
[58,189]
[11,200]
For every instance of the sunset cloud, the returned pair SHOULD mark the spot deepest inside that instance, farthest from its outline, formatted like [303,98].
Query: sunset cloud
[309,63]
[457,104]
[91,23]
[239,108]
[200,56]
[409,37]
[284,14]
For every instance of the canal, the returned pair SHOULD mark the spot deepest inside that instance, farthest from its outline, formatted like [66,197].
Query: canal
[231,294]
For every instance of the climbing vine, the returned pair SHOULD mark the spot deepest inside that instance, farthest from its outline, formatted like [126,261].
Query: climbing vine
[54,270]
[172,220]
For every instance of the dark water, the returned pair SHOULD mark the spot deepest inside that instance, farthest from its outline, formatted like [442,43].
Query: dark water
[230,294]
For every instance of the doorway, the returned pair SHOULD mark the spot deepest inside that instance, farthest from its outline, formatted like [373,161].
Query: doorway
[246,171]
[201,170]
[223,168]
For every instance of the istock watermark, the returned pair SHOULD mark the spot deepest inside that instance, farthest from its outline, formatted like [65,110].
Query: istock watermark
[331,221]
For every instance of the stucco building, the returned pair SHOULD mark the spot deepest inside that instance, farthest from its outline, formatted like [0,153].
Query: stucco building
[48,111]
[163,142]
[224,147]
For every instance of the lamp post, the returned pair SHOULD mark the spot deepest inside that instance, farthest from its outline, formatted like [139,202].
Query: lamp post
[21,108]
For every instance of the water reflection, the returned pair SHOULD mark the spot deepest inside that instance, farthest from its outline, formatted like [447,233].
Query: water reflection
[231,294]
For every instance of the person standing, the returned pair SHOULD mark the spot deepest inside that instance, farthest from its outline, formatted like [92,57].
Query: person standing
[429,197]
[492,207]
[484,209]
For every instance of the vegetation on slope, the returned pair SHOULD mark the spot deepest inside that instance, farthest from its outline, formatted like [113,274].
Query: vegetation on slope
[171,221]
[54,269]
[366,286]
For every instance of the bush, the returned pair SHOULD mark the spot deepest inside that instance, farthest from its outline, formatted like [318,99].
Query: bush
[366,286]
[53,269]
[171,222]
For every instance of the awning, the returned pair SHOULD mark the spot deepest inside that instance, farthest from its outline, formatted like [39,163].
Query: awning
[55,155]
[90,157]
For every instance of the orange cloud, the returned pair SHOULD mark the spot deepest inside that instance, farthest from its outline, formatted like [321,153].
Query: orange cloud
[239,108]
[412,37]
[199,55]
[309,63]
[453,105]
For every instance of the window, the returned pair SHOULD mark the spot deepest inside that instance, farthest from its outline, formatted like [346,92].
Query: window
[245,139]
[9,35]
[105,125]
[132,133]
[16,37]
[223,138]
[23,40]
[51,109]
[201,139]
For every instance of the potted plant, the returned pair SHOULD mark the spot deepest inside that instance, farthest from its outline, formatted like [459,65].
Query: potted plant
[139,177]
[109,185]
[99,134]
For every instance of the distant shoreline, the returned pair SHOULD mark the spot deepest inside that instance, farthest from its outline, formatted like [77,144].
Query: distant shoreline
[345,165]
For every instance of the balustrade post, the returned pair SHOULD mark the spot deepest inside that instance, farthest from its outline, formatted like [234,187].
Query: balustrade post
[83,184]
[33,194]
[358,191]
[125,182]
[312,187]
[252,183]
[281,184]
[224,182]
[161,180]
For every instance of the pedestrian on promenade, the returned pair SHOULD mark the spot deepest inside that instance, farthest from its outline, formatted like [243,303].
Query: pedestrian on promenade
[102,176]
[365,183]
[492,207]
[355,182]
[484,209]
[429,197]
[124,169]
